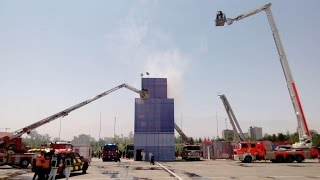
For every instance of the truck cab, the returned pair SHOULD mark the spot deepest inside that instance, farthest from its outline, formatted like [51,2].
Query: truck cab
[191,152]
[109,152]
[251,151]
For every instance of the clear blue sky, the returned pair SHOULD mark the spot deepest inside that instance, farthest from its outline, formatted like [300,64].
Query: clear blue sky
[56,54]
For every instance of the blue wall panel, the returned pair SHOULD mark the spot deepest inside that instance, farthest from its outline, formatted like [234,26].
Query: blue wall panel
[154,116]
[163,151]
[154,121]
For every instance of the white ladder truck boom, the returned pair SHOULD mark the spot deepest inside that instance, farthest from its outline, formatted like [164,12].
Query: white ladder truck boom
[303,130]
[143,94]
[184,137]
[233,120]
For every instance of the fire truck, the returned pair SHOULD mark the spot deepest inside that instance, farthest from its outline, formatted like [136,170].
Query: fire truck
[110,152]
[250,151]
[13,151]
[190,150]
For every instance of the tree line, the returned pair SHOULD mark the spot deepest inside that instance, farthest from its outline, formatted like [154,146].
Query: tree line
[34,139]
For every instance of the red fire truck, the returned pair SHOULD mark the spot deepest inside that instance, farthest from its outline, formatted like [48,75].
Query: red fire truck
[110,152]
[12,150]
[250,151]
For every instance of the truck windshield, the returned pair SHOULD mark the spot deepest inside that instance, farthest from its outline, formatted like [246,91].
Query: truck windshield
[109,147]
[190,148]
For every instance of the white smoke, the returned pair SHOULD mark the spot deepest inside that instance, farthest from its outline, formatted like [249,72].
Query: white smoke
[170,64]
[145,48]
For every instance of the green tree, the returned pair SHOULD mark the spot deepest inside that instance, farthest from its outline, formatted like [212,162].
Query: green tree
[294,137]
[315,138]
[36,140]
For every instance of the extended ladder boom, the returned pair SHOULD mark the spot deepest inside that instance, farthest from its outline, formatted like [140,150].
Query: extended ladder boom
[232,118]
[304,133]
[143,94]
[185,138]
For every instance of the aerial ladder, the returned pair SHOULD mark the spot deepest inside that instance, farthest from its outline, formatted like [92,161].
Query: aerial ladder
[303,130]
[143,94]
[238,134]
[184,137]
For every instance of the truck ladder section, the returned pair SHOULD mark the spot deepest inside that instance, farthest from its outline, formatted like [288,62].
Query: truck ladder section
[143,94]
[305,138]
[232,118]
[185,138]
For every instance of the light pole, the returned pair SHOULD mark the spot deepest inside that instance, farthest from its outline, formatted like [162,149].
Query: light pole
[99,128]
[217,125]
[114,129]
[60,129]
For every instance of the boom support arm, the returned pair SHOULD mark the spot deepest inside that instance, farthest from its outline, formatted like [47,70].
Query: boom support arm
[304,133]
[184,137]
[143,94]
[232,118]
[247,14]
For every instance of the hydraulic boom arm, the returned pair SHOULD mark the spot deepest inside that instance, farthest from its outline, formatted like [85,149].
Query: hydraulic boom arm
[184,137]
[232,118]
[143,94]
[304,133]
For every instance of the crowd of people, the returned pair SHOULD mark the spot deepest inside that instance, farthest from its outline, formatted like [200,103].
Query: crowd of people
[123,154]
[46,165]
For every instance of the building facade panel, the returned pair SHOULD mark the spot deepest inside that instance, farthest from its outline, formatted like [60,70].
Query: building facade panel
[154,122]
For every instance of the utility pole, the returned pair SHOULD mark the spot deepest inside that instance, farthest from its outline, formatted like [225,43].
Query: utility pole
[181,128]
[60,130]
[114,128]
[217,125]
[100,128]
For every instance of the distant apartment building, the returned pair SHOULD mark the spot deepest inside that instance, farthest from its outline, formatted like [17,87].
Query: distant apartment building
[255,133]
[227,134]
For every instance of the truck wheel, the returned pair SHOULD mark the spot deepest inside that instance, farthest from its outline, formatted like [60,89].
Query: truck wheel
[24,163]
[84,168]
[280,159]
[247,159]
[299,159]
[289,159]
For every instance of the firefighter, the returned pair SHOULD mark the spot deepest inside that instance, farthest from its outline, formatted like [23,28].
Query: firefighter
[39,167]
[119,155]
[55,163]
[67,164]
[46,166]
[151,157]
